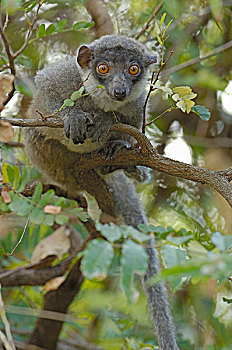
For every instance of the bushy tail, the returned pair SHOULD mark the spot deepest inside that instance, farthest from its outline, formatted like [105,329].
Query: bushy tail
[128,206]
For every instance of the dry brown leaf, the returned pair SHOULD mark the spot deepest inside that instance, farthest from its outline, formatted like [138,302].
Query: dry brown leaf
[54,283]
[52,209]
[6,131]
[5,196]
[56,244]
[6,86]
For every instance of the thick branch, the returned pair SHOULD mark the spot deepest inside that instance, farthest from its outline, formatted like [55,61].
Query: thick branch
[146,156]
[32,277]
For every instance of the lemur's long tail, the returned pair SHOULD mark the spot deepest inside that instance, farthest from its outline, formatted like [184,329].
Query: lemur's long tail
[128,206]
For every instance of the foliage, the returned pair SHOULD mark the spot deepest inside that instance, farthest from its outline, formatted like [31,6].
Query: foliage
[187,221]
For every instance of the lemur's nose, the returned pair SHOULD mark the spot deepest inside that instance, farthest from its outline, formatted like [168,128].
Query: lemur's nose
[120,94]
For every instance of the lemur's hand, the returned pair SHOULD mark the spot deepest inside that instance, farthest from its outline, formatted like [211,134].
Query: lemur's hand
[99,128]
[112,147]
[75,126]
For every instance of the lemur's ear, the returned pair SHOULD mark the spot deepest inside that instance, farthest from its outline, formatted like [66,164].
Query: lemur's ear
[84,56]
[151,59]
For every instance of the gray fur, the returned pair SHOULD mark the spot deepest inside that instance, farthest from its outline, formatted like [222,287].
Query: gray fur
[56,152]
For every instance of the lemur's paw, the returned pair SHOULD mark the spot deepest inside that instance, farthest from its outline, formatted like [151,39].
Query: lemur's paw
[112,147]
[75,126]
[97,130]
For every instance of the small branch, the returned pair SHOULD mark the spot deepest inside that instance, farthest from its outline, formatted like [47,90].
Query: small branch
[51,122]
[21,238]
[8,50]
[150,20]
[152,88]
[159,116]
[17,53]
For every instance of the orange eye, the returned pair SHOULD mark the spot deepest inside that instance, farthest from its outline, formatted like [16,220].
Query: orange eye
[134,69]
[102,68]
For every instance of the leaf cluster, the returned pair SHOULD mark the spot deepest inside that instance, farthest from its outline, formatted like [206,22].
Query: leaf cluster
[40,208]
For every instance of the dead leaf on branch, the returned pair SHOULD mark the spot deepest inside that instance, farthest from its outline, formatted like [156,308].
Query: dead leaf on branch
[52,209]
[54,283]
[5,196]
[6,131]
[6,86]
[57,244]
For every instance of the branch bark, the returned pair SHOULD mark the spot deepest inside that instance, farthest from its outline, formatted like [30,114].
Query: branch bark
[146,156]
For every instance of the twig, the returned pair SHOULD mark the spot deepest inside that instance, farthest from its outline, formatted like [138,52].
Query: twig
[150,20]
[17,53]
[21,238]
[6,324]
[6,22]
[8,51]
[51,122]
[193,61]
[152,88]
[160,115]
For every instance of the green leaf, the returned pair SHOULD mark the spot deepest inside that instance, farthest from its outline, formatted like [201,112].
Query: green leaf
[49,219]
[222,242]
[163,34]
[134,260]
[97,259]
[77,94]
[170,101]
[46,198]
[20,206]
[10,174]
[61,219]
[82,25]
[41,31]
[110,231]
[179,240]
[82,215]
[79,212]
[60,25]
[100,87]
[201,111]
[60,202]
[68,103]
[158,38]
[173,256]
[37,216]
[37,193]
[17,176]
[24,178]
[162,19]
[50,29]
[130,231]
[30,7]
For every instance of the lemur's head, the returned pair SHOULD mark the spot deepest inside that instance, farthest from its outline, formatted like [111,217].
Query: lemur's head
[118,63]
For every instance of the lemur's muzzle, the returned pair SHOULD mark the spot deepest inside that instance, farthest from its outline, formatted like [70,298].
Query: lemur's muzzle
[120,94]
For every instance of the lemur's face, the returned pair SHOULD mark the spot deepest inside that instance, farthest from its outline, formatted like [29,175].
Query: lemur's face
[120,70]
[118,74]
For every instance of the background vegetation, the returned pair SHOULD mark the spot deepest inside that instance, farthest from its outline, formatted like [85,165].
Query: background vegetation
[192,223]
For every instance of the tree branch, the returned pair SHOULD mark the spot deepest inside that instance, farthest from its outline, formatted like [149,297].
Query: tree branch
[146,156]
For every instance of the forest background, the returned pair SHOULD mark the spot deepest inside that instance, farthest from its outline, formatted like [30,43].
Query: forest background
[40,231]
